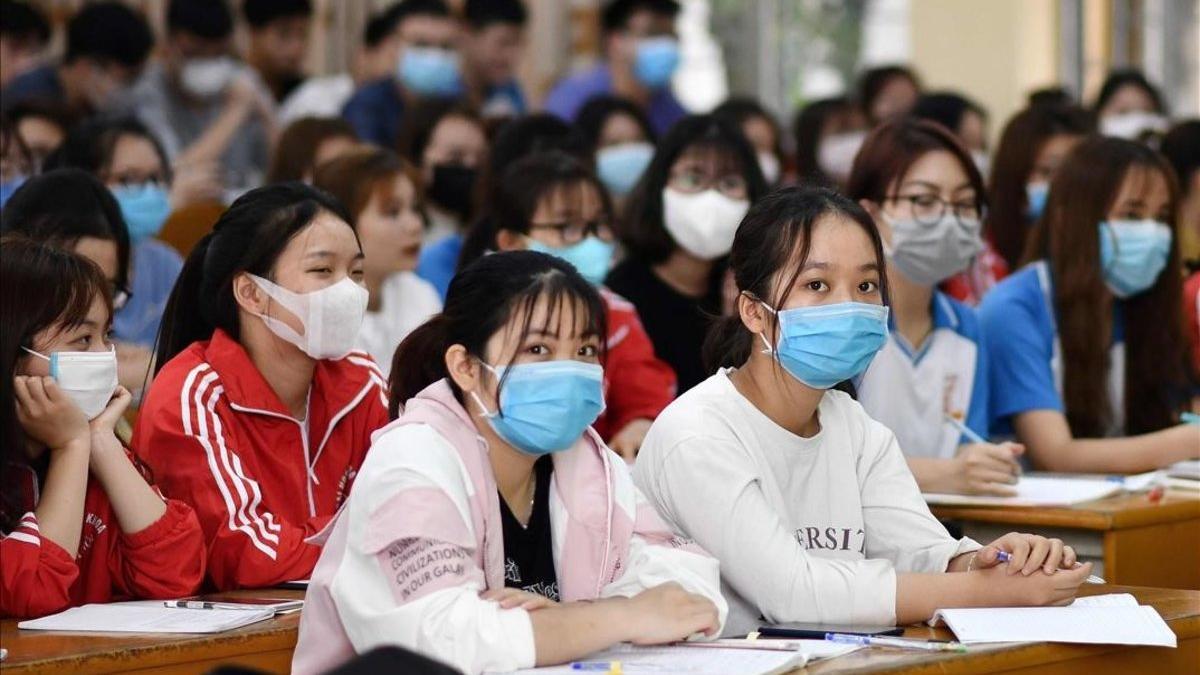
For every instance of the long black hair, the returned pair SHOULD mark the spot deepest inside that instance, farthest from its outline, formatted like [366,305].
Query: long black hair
[518,193]
[765,248]
[480,302]
[641,228]
[248,237]
[91,145]
[41,286]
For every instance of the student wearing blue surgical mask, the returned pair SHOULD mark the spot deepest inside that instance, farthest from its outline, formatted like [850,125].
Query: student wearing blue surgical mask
[551,202]
[641,54]
[929,379]
[620,137]
[79,522]
[428,66]
[526,542]
[1085,344]
[804,498]
[1032,146]
[129,160]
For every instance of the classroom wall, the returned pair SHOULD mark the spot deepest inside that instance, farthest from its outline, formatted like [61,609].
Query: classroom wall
[994,52]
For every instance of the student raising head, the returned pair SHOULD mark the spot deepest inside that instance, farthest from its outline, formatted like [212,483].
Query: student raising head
[926,197]
[552,203]
[383,195]
[678,226]
[78,521]
[1085,344]
[490,528]
[1032,147]
[261,412]
[804,498]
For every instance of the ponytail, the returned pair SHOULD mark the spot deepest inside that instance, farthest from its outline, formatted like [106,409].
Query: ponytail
[420,360]
[182,323]
[727,344]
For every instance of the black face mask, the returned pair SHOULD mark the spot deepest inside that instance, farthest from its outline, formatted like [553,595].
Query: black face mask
[453,188]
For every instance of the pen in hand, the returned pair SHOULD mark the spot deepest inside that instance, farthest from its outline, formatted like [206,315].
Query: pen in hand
[1005,556]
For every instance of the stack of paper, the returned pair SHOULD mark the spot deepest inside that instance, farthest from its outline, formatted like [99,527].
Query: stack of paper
[143,617]
[1102,619]
[1037,491]
[683,660]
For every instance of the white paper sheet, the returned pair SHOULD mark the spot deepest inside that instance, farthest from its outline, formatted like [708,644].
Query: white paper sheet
[1037,491]
[1105,619]
[678,660]
[146,618]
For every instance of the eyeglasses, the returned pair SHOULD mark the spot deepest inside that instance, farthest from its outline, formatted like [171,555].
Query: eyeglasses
[691,181]
[120,297]
[928,209]
[577,231]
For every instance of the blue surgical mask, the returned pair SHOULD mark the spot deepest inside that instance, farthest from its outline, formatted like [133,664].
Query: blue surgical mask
[656,61]
[620,166]
[8,187]
[144,207]
[823,345]
[591,257]
[1132,254]
[1035,199]
[429,71]
[546,407]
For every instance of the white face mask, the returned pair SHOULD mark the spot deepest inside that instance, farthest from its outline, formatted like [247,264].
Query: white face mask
[1133,125]
[769,164]
[88,378]
[927,254]
[703,224]
[205,78]
[983,162]
[330,317]
[835,154]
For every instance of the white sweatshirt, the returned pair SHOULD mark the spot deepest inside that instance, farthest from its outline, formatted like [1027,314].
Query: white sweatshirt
[408,301]
[806,529]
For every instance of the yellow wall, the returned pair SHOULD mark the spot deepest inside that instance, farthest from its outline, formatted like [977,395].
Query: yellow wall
[994,51]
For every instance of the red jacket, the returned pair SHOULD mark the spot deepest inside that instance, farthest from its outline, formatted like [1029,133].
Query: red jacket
[1191,316]
[217,437]
[38,577]
[970,285]
[637,383]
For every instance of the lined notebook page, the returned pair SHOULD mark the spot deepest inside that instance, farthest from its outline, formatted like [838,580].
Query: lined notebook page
[146,618]
[686,661]
[1037,491]
[1105,619]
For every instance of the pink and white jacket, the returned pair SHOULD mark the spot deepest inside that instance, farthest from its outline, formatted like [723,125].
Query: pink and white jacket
[420,538]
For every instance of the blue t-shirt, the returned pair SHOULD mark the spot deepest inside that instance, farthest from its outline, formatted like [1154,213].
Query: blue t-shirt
[572,92]
[1024,354]
[912,391]
[505,100]
[41,84]
[438,262]
[375,110]
[154,268]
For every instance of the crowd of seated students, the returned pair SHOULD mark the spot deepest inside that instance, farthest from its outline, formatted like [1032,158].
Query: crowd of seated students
[514,383]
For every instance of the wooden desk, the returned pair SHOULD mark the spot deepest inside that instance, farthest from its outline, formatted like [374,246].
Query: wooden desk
[1130,539]
[266,645]
[1180,608]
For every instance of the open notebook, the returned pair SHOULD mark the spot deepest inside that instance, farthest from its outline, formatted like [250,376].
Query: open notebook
[1115,619]
[1037,491]
[683,660]
[146,617]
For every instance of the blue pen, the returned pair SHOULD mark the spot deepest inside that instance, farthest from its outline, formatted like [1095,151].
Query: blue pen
[899,643]
[964,429]
[613,667]
[1005,556]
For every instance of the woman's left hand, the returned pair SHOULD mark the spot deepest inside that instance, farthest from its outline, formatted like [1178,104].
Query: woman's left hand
[1027,553]
[510,598]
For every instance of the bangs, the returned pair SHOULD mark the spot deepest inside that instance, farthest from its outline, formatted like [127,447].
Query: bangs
[717,152]
[84,283]
[570,311]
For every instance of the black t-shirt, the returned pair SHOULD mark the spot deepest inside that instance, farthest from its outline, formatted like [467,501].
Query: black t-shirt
[529,551]
[676,323]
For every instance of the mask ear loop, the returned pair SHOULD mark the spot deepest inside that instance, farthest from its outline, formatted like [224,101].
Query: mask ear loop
[478,401]
[767,349]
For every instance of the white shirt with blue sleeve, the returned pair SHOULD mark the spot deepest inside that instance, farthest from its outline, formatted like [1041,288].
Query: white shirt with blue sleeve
[912,391]
[1025,354]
